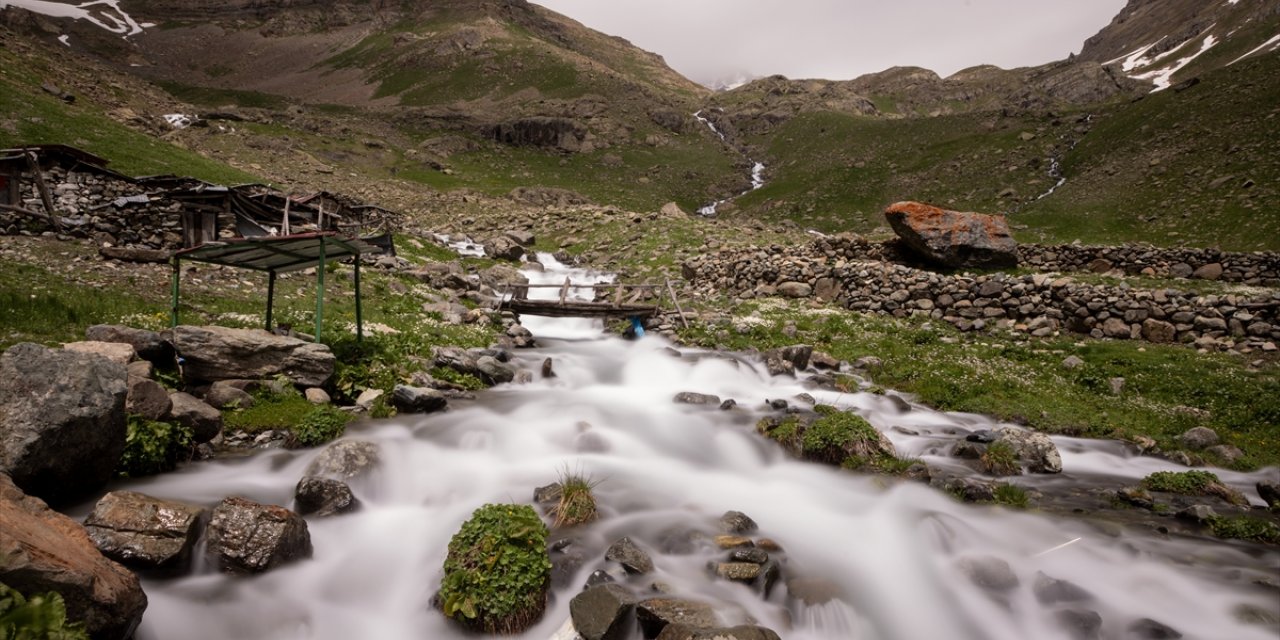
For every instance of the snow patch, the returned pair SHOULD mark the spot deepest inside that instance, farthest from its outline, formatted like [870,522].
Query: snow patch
[1162,78]
[178,120]
[106,14]
[64,38]
[1266,47]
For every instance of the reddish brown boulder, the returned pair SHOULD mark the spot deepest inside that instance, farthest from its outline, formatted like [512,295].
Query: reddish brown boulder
[43,551]
[952,238]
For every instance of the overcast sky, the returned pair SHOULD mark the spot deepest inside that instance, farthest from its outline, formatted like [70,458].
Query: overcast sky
[711,40]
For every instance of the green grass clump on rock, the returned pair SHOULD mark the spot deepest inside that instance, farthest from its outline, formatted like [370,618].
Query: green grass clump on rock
[320,425]
[577,503]
[837,435]
[497,572]
[1011,495]
[1192,483]
[1246,528]
[999,460]
[152,447]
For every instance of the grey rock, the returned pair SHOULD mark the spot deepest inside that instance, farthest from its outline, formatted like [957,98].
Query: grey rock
[989,572]
[316,395]
[247,537]
[204,421]
[1199,438]
[1227,452]
[503,248]
[1053,591]
[407,399]
[344,460]
[738,571]
[737,522]
[603,612]
[754,555]
[143,532]
[548,494]
[1158,331]
[368,397]
[680,631]
[323,497]
[631,557]
[63,420]
[1211,271]
[113,351]
[228,394]
[1148,629]
[148,399]
[1080,624]
[689,397]
[1197,513]
[1033,448]
[655,614]
[1269,491]
[149,345]
[1072,362]
[597,578]
[218,353]
[493,371]
[795,289]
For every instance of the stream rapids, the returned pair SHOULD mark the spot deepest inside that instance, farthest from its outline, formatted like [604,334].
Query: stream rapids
[893,552]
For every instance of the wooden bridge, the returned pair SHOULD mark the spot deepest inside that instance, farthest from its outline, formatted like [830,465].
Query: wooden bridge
[627,301]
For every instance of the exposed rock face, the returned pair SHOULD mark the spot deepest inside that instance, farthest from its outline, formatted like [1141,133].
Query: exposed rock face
[211,353]
[149,345]
[562,134]
[62,420]
[144,532]
[952,238]
[46,551]
[204,421]
[247,537]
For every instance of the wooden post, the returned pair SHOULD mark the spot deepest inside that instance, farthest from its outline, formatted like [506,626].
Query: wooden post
[320,292]
[43,188]
[359,309]
[617,297]
[564,291]
[284,225]
[173,308]
[320,216]
[671,290]
[271,296]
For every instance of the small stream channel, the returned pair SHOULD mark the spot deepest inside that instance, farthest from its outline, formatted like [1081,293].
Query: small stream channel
[892,551]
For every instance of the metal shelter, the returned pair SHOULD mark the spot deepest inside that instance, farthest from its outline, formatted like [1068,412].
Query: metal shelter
[276,255]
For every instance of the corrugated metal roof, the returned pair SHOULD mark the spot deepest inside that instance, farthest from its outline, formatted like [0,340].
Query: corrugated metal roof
[281,254]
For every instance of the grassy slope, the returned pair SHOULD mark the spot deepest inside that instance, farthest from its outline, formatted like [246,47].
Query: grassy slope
[36,117]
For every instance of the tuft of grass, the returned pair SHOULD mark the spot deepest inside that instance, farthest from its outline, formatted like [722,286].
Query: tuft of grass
[838,435]
[1012,495]
[1000,460]
[577,503]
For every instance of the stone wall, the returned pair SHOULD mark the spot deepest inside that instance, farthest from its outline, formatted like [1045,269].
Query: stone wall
[1257,268]
[832,269]
[83,202]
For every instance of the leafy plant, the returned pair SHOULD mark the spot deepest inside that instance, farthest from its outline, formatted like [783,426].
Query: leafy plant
[40,617]
[153,447]
[463,380]
[320,425]
[1192,483]
[497,572]
[577,503]
[1246,528]
[999,460]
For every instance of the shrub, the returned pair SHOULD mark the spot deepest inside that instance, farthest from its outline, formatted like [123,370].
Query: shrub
[497,572]
[320,425]
[999,460]
[153,447]
[40,617]
[1192,483]
[577,504]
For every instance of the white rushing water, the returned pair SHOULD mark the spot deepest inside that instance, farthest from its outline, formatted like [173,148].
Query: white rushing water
[757,169]
[891,551]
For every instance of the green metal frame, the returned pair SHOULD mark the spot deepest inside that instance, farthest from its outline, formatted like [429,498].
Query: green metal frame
[287,261]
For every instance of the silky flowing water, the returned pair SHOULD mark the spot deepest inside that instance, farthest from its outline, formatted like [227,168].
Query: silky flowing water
[892,551]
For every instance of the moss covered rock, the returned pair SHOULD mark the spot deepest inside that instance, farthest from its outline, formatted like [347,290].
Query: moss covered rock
[497,573]
[831,436]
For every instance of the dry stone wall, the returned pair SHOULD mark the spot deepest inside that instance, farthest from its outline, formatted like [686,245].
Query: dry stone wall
[83,202]
[841,270]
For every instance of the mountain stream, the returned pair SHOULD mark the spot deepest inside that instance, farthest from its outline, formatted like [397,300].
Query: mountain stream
[893,554]
[757,169]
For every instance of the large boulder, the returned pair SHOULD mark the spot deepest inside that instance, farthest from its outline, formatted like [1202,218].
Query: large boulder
[43,550]
[407,399]
[344,460]
[62,420]
[602,612]
[655,614]
[1034,449]
[144,532]
[504,248]
[149,345]
[952,238]
[148,399]
[113,351]
[211,353]
[323,497]
[248,537]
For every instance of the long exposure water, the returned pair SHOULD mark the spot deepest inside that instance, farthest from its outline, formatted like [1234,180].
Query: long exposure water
[892,552]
